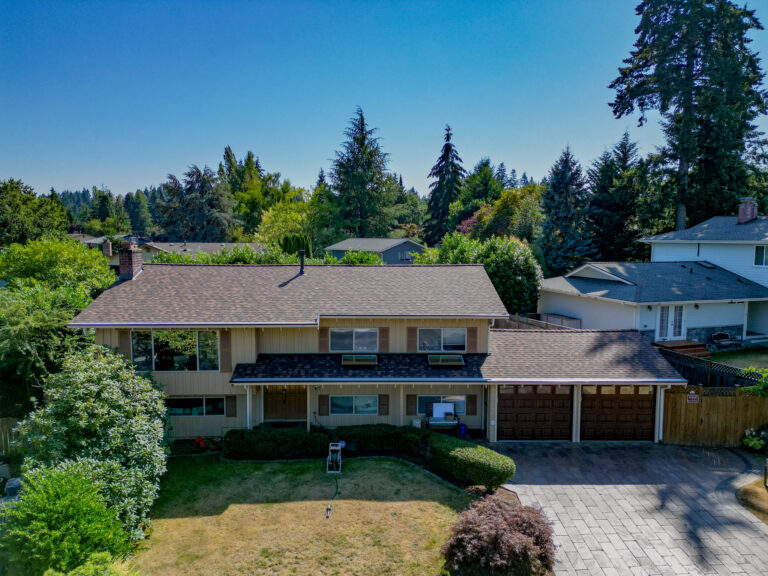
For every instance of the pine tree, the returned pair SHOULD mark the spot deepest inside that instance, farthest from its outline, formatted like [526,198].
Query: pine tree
[565,241]
[137,207]
[692,63]
[449,174]
[364,190]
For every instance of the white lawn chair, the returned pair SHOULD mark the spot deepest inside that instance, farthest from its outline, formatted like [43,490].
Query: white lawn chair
[333,463]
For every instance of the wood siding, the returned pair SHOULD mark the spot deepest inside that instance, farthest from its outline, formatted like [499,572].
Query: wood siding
[719,418]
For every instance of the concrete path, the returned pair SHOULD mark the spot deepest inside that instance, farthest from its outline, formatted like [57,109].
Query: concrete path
[620,509]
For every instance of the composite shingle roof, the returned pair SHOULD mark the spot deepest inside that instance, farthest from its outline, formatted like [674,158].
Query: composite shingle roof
[370,244]
[517,356]
[242,295]
[650,282]
[718,229]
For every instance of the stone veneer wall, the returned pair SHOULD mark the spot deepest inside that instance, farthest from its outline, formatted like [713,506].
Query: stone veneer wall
[703,334]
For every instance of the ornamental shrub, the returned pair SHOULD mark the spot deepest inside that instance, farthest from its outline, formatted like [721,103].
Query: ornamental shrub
[275,444]
[469,463]
[498,537]
[99,564]
[382,439]
[59,521]
[99,413]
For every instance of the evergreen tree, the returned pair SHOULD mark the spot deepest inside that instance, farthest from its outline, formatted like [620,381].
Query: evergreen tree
[449,174]
[24,216]
[198,210]
[565,241]
[359,177]
[102,205]
[137,208]
[692,62]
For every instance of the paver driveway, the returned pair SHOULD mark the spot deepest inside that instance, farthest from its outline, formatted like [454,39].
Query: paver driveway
[641,508]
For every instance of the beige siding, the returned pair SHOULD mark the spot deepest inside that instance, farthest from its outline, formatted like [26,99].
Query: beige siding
[287,340]
[193,426]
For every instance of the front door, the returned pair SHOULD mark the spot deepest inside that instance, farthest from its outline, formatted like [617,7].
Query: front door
[285,403]
[671,319]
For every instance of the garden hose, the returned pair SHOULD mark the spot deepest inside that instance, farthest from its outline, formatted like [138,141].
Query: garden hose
[328,510]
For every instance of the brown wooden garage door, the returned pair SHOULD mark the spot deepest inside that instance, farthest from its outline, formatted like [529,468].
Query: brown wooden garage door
[617,412]
[535,413]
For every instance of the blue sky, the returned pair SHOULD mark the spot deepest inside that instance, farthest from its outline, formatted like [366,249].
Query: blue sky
[123,93]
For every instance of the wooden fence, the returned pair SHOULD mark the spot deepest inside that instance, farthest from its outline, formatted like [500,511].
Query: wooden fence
[7,436]
[711,416]
[705,372]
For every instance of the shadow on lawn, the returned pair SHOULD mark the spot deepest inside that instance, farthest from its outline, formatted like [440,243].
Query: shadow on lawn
[207,486]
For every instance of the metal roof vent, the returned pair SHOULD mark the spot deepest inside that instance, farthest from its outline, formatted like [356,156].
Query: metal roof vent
[359,360]
[445,360]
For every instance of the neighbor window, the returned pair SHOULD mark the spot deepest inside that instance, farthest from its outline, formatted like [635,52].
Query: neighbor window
[361,404]
[354,340]
[175,350]
[213,406]
[761,256]
[459,402]
[442,339]
[405,256]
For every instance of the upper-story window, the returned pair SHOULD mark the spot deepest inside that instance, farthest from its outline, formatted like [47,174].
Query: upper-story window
[175,350]
[761,256]
[442,339]
[354,340]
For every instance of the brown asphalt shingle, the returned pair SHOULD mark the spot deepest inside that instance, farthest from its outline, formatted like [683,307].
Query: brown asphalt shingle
[231,295]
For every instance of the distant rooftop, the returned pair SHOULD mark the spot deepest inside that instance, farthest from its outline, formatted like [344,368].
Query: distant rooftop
[718,229]
[371,244]
[650,282]
[196,247]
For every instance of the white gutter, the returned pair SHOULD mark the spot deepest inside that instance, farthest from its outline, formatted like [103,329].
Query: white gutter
[587,381]
[187,324]
[630,303]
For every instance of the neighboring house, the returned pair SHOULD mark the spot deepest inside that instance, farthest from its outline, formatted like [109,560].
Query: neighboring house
[391,250]
[242,345]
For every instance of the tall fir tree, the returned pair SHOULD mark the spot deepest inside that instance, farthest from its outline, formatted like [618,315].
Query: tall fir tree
[565,241]
[137,207]
[364,190]
[449,174]
[692,62]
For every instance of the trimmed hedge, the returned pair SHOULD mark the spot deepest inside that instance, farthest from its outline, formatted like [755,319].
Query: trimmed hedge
[466,462]
[469,463]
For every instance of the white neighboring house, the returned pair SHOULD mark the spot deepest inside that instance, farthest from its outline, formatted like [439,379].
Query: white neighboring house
[683,300]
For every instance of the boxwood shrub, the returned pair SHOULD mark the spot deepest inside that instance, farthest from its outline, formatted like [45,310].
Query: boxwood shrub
[382,439]
[275,444]
[469,463]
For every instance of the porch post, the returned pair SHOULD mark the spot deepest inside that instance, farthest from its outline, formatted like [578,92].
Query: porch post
[576,418]
[493,412]
[309,407]
[658,434]
[402,404]
[248,407]
[746,320]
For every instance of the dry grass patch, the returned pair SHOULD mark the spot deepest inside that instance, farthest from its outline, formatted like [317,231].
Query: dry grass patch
[237,518]
[754,496]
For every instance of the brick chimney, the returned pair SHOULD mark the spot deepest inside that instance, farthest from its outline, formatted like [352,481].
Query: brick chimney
[130,261]
[106,248]
[747,210]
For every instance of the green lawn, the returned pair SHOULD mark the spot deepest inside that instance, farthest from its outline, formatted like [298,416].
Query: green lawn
[234,519]
[743,358]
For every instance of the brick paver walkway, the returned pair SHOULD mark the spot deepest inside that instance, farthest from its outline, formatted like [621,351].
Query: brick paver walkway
[641,508]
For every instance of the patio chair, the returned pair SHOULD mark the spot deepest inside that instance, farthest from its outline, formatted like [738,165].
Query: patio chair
[333,463]
[722,340]
[438,416]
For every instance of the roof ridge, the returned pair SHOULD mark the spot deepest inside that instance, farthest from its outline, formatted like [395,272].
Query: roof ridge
[307,265]
[567,331]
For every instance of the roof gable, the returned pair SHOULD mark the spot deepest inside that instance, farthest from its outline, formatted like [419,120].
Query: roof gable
[371,244]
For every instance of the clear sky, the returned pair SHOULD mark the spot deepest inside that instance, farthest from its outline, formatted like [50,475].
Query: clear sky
[122,93]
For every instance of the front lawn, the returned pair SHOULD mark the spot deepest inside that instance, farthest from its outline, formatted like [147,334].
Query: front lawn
[754,496]
[239,518]
[757,357]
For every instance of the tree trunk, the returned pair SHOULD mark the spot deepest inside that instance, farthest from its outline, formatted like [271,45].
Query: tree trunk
[682,194]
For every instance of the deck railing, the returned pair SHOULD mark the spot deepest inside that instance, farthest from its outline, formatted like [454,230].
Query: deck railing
[516,322]
[705,372]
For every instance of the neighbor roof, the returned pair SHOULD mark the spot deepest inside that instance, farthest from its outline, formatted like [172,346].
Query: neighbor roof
[243,295]
[650,282]
[517,356]
[371,244]
[195,247]
[718,229]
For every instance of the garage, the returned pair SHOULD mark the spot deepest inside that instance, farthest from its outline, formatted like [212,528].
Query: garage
[617,412]
[541,412]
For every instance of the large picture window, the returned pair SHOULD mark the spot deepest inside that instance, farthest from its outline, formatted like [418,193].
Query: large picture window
[361,404]
[204,406]
[175,350]
[354,340]
[459,402]
[442,339]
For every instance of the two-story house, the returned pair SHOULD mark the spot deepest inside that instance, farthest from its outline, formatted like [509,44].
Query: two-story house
[710,278]
[244,345]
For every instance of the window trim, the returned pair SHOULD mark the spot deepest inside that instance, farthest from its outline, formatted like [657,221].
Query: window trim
[765,256]
[205,400]
[442,347]
[197,350]
[442,399]
[352,351]
[353,413]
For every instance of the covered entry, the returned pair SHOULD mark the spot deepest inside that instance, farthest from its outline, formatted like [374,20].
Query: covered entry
[285,403]
[617,412]
[537,412]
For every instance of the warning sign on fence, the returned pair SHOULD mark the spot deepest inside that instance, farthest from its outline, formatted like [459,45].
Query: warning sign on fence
[693,398]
